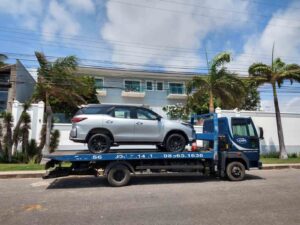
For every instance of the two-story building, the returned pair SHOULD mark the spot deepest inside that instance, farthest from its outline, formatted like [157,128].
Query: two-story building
[151,89]
[16,83]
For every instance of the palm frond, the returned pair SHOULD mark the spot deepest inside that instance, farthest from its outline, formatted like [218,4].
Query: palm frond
[260,70]
[197,83]
[278,65]
[289,72]
[219,60]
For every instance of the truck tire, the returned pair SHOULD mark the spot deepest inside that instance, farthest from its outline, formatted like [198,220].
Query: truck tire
[175,143]
[235,171]
[99,143]
[118,176]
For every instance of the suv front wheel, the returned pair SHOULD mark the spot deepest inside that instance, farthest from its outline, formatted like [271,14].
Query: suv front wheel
[99,143]
[175,143]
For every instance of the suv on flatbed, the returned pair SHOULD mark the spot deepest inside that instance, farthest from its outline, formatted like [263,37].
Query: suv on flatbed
[102,126]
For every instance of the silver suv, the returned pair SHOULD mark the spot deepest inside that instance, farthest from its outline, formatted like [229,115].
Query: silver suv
[102,126]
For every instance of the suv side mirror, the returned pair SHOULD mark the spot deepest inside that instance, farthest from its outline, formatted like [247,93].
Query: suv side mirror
[261,133]
[158,118]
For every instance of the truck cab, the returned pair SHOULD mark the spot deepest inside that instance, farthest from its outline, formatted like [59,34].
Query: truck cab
[237,135]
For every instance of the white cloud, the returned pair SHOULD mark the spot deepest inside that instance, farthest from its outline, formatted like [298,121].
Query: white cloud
[59,21]
[279,30]
[27,11]
[180,26]
[81,5]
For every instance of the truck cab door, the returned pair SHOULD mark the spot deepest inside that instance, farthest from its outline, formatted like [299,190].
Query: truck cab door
[245,137]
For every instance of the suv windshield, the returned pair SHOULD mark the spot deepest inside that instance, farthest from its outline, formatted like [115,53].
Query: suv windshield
[242,127]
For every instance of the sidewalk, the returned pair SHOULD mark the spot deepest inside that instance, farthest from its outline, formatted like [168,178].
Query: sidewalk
[40,173]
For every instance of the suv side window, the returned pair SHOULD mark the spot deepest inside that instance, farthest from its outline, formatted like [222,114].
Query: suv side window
[144,114]
[122,112]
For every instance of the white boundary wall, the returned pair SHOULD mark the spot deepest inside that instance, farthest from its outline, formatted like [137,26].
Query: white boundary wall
[266,120]
[36,112]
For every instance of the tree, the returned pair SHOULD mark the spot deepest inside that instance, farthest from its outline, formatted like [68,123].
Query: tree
[176,112]
[17,132]
[251,97]
[275,74]
[7,139]
[220,84]
[57,82]
[88,93]
[2,59]
[25,132]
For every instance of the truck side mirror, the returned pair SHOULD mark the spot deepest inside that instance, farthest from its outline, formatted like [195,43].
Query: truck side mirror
[261,133]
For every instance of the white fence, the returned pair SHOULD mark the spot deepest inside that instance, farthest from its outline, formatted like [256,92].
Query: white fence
[266,120]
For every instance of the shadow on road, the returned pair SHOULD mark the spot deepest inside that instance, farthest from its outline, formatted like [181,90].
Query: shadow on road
[89,182]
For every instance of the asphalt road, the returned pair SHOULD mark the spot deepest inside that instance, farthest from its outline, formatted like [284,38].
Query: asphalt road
[265,197]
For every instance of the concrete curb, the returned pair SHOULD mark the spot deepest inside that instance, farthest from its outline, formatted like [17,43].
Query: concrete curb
[40,173]
[22,174]
[281,166]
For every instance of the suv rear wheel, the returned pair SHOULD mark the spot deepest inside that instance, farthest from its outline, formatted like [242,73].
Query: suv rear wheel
[175,143]
[99,143]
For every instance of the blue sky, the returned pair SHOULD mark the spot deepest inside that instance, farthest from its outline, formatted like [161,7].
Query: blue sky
[157,34]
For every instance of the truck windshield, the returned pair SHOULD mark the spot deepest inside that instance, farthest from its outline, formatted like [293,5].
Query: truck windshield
[242,127]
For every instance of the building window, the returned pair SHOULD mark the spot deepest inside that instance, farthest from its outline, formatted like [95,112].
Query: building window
[133,85]
[3,99]
[149,85]
[159,86]
[99,83]
[176,88]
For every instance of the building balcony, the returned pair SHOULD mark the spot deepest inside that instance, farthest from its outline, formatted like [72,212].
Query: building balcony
[133,92]
[101,92]
[177,93]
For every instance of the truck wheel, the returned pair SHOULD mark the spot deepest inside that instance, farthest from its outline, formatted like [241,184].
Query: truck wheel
[118,176]
[175,143]
[99,143]
[235,171]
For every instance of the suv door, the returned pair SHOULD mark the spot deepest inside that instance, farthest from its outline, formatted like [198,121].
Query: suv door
[147,127]
[121,123]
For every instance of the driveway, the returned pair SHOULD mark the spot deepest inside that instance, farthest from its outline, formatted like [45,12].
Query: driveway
[265,197]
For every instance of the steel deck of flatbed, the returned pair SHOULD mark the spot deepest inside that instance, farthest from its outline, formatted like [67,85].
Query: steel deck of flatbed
[130,156]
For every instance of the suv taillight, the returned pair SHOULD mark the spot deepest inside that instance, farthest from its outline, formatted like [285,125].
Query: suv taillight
[77,119]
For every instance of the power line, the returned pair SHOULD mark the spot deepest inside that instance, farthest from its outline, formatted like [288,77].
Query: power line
[140,55]
[182,12]
[265,3]
[224,10]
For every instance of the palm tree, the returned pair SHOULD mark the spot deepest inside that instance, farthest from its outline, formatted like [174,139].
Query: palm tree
[25,132]
[275,74]
[16,132]
[7,139]
[2,59]
[219,84]
[57,82]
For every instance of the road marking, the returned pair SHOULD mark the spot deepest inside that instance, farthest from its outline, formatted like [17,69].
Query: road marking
[34,207]
[40,184]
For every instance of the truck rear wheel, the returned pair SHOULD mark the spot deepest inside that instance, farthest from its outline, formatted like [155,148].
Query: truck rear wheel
[235,171]
[118,176]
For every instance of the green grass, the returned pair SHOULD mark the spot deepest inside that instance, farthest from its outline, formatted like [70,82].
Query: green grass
[20,167]
[279,161]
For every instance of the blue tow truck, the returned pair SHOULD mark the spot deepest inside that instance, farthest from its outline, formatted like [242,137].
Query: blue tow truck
[230,146]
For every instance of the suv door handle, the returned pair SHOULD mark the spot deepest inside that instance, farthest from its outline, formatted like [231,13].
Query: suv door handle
[139,123]
[109,121]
